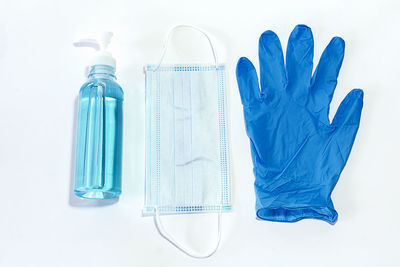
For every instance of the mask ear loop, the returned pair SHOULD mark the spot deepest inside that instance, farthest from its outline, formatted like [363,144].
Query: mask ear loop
[166,42]
[169,238]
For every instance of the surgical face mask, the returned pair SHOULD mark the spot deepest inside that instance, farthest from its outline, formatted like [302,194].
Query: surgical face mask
[187,155]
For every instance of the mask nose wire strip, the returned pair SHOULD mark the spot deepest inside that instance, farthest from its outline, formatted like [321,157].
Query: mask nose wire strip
[167,236]
[166,42]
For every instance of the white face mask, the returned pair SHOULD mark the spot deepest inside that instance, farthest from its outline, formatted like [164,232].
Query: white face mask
[187,155]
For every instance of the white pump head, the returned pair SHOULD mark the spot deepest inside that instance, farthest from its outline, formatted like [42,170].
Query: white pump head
[102,56]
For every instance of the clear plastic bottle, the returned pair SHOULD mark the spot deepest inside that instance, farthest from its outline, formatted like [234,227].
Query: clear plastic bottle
[99,137]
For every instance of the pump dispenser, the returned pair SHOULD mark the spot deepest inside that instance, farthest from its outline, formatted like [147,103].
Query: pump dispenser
[102,57]
[100,122]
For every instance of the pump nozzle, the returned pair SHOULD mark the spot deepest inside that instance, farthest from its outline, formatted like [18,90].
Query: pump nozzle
[93,43]
[102,56]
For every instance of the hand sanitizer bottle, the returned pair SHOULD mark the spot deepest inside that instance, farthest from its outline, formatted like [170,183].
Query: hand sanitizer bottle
[99,134]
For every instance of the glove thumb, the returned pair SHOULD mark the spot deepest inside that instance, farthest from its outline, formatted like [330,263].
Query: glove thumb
[347,120]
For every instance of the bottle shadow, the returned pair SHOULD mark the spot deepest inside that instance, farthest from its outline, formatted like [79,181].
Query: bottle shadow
[75,201]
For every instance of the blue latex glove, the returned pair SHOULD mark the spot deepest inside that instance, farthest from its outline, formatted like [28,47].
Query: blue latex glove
[297,153]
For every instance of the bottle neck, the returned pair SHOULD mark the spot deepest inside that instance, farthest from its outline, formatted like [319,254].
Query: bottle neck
[102,71]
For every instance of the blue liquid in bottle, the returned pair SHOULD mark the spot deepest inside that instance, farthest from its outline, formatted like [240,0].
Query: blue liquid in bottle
[99,139]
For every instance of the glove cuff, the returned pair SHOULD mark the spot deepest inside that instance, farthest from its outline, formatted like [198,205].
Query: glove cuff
[282,205]
[287,214]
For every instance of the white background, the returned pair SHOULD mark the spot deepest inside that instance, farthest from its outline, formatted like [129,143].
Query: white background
[43,224]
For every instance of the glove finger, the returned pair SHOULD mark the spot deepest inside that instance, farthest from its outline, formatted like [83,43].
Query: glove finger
[299,61]
[324,80]
[272,68]
[247,79]
[347,120]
